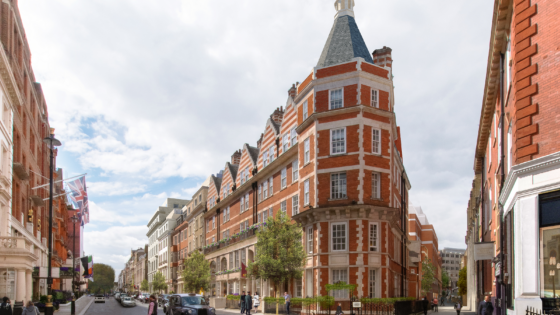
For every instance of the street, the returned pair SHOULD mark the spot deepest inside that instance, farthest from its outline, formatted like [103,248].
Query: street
[111,306]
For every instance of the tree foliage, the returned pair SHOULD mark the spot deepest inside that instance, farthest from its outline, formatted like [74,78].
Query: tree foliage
[445,279]
[158,282]
[428,275]
[462,282]
[279,251]
[104,278]
[144,286]
[196,274]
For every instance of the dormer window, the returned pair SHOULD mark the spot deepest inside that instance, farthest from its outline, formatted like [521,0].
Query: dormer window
[336,99]
[271,153]
[305,114]
[265,158]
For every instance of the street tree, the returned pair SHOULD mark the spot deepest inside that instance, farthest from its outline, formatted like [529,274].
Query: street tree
[279,251]
[445,279]
[462,282]
[428,275]
[104,278]
[196,274]
[144,286]
[158,282]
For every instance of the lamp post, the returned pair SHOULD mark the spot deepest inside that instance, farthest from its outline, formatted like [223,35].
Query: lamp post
[51,143]
[74,220]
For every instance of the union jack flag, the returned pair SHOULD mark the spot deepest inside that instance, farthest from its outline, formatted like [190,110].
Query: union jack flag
[78,195]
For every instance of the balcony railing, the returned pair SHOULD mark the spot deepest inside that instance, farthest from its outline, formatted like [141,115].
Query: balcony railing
[237,237]
[8,242]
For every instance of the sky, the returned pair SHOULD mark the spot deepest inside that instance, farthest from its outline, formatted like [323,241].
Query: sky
[151,97]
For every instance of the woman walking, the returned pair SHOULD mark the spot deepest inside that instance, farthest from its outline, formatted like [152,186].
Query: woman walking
[30,309]
[458,308]
[152,307]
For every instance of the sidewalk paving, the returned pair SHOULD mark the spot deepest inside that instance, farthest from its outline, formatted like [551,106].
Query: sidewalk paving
[82,305]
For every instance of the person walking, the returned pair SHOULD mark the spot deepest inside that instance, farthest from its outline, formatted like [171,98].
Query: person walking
[485,307]
[287,302]
[339,309]
[30,309]
[425,303]
[152,307]
[248,303]
[435,305]
[458,307]
[242,302]
[5,307]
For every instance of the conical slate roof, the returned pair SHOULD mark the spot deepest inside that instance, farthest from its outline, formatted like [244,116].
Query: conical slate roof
[345,42]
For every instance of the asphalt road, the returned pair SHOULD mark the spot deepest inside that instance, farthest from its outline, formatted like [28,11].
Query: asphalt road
[112,307]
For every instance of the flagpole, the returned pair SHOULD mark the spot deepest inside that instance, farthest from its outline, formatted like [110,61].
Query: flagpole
[51,142]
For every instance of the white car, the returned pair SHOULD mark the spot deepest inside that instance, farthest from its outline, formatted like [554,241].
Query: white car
[128,301]
[99,299]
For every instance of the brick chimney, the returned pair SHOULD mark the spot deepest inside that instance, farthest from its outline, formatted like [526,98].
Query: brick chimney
[236,157]
[277,115]
[382,57]
[292,91]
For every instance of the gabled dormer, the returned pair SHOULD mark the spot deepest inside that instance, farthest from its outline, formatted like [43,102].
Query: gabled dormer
[228,179]
[247,164]
[288,134]
[214,190]
[268,149]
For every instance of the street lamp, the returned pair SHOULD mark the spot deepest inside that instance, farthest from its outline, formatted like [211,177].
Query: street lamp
[51,143]
[74,220]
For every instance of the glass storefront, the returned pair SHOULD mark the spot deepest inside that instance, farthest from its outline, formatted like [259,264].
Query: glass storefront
[549,220]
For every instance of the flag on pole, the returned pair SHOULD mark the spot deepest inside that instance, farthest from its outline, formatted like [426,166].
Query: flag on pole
[87,262]
[243,271]
[78,195]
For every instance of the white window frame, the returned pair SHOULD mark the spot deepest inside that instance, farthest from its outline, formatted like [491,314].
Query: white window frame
[246,201]
[285,142]
[306,192]
[284,178]
[295,171]
[284,206]
[213,222]
[376,185]
[376,143]
[310,240]
[345,224]
[271,188]
[373,237]
[339,294]
[242,204]
[295,204]
[305,110]
[509,146]
[375,98]
[265,190]
[271,153]
[372,283]
[293,136]
[332,144]
[331,100]
[342,190]
[265,158]
[306,151]
[260,192]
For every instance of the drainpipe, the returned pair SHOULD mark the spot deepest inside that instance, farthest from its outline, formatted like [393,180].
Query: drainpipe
[255,200]
[502,170]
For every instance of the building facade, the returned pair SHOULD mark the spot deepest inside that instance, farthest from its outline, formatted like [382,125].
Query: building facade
[451,263]
[158,252]
[332,161]
[424,245]
[512,227]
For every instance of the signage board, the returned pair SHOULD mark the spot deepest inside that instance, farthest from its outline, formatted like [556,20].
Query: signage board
[484,251]
[356,304]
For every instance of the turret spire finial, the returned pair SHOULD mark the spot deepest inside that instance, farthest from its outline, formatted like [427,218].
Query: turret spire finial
[344,7]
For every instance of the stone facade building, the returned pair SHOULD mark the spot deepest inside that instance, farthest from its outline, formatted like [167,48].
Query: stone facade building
[331,159]
[452,258]
[513,229]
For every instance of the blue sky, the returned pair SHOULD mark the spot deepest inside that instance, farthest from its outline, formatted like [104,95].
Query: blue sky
[151,97]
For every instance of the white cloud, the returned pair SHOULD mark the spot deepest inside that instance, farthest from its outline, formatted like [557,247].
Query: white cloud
[115,188]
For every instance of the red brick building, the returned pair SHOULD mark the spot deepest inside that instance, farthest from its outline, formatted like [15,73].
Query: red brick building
[513,228]
[332,160]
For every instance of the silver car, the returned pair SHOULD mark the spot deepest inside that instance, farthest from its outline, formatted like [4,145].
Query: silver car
[127,301]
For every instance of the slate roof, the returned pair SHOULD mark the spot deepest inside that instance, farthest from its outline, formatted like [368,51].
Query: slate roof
[253,153]
[217,183]
[233,170]
[275,125]
[345,42]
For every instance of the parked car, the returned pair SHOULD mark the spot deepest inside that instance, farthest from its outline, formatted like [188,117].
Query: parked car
[118,296]
[144,297]
[127,301]
[161,298]
[100,298]
[189,304]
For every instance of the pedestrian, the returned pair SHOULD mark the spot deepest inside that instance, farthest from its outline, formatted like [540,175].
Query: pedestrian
[435,305]
[152,307]
[256,301]
[339,309]
[287,301]
[5,307]
[442,302]
[425,303]
[30,309]
[242,302]
[485,307]
[248,303]
[458,308]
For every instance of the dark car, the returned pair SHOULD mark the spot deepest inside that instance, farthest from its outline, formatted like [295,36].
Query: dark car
[189,304]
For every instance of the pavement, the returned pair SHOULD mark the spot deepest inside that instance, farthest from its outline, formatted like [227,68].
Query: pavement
[82,304]
[112,307]
[448,309]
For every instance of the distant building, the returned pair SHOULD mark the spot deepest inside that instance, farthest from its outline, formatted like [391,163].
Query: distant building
[452,259]
[423,244]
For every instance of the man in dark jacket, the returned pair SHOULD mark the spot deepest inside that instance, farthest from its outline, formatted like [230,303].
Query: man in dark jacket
[248,303]
[242,302]
[425,303]
[5,307]
[485,307]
